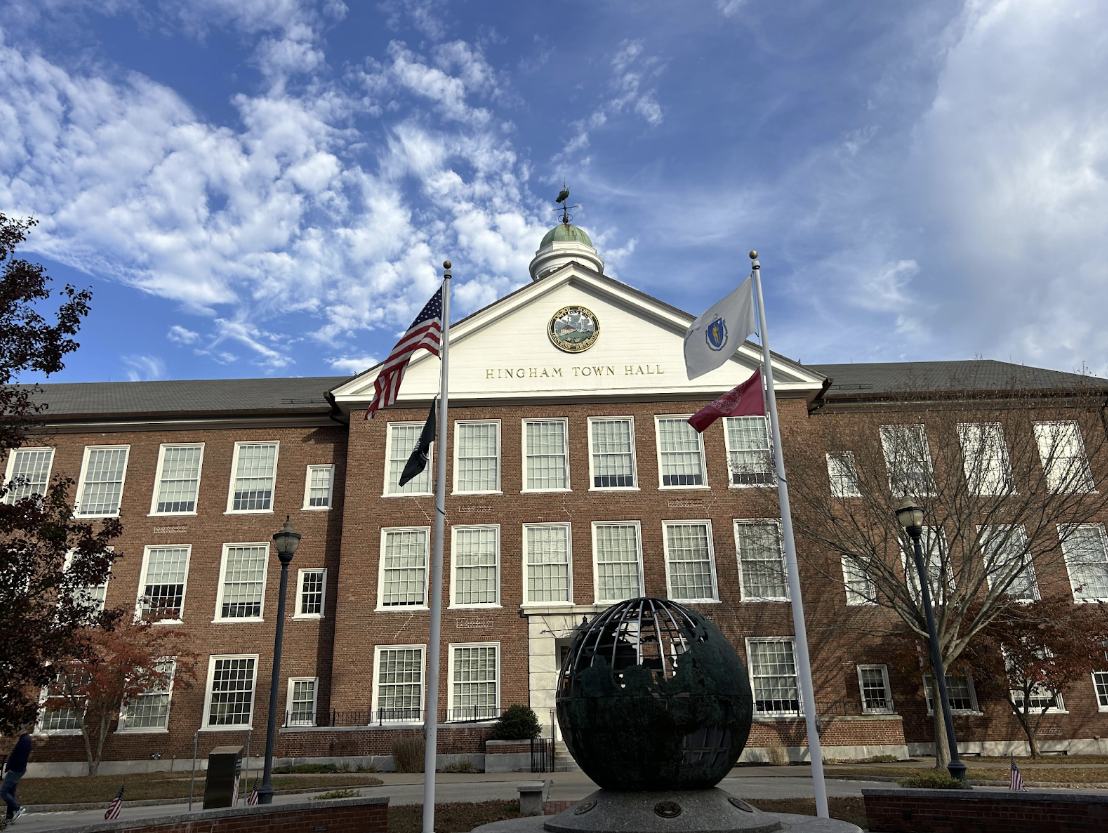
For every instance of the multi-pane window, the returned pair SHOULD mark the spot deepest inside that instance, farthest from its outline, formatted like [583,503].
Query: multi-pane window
[31,466]
[91,597]
[398,684]
[545,455]
[690,567]
[960,693]
[474,685]
[773,676]
[1005,551]
[680,452]
[310,587]
[985,458]
[860,589]
[56,712]
[402,440]
[749,458]
[230,693]
[149,711]
[162,584]
[908,459]
[873,680]
[612,452]
[1041,698]
[618,561]
[940,577]
[1087,561]
[761,561]
[101,484]
[403,567]
[252,476]
[177,482]
[301,701]
[547,559]
[1100,686]
[476,560]
[1062,452]
[317,487]
[242,581]
[477,452]
[843,474]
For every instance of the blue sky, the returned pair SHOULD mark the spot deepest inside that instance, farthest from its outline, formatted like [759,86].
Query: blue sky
[266,187]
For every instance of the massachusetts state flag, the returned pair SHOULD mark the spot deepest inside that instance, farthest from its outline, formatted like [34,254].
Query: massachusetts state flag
[714,337]
[1015,781]
[425,332]
[745,400]
[114,808]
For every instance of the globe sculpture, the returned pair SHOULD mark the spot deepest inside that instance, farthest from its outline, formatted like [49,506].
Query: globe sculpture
[653,697]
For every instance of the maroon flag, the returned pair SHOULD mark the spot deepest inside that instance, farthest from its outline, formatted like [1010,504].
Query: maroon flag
[115,806]
[425,332]
[745,400]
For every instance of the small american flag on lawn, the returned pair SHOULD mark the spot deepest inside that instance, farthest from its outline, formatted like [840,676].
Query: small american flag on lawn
[114,808]
[1015,782]
[425,332]
[252,799]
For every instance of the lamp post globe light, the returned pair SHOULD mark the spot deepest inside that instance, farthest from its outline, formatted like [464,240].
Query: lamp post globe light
[910,516]
[286,541]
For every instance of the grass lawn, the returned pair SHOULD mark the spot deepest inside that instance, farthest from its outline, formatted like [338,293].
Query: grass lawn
[1030,771]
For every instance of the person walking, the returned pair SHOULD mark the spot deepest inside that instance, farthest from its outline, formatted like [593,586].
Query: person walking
[17,768]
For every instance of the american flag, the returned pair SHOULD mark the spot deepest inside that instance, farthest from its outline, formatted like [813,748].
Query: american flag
[1015,782]
[252,799]
[425,332]
[114,808]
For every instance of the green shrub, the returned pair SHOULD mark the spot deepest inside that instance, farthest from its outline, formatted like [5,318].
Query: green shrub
[305,769]
[408,749]
[337,794]
[517,723]
[932,779]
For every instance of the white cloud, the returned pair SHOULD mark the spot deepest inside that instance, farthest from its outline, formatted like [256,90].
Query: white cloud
[353,364]
[144,368]
[730,8]
[181,335]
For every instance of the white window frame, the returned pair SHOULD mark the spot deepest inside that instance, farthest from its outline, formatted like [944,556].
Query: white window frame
[740,522]
[928,462]
[330,488]
[837,480]
[375,703]
[524,456]
[769,451]
[288,699]
[124,729]
[158,479]
[388,485]
[40,716]
[891,708]
[499,456]
[1042,432]
[569,565]
[853,597]
[1038,691]
[1028,566]
[1099,689]
[707,524]
[381,606]
[142,581]
[750,675]
[88,587]
[596,563]
[995,476]
[975,711]
[1069,572]
[234,469]
[450,674]
[454,565]
[300,591]
[634,487]
[205,715]
[8,475]
[658,419]
[908,561]
[84,471]
[222,573]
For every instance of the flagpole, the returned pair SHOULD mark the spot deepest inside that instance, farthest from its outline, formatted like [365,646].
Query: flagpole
[431,713]
[807,692]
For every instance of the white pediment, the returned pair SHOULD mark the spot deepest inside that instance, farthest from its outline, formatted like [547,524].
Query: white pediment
[503,352]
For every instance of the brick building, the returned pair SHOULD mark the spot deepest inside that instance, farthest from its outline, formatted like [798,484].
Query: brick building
[573,481]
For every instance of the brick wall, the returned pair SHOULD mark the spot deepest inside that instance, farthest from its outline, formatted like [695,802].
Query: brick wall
[835,731]
[955,811]
[337,743]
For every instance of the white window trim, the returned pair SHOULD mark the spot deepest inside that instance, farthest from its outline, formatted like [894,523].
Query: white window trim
[375,702]
[222,573]
[750,676]
[107,579]
[706,522]
[634,457]
[523,457]
[731,484]
[450,673]
[1101,707]
[738,559]
[658,448]
[1069,573]
[927,459]
[891,709]
[121,725]
[852,597]
[300,589]
[388,459]
[975,711]
[381,607]
[454,566]
[1003,459]
[596,564]
[1035,710]
[569,565]
[234,468]
[908,561]
[499,457]
[308,486]
[142,581]
[11,461]
[1029,564]
[1092,490]
[41,714]
[158,479]
[204,715]
[288,700]
[84,470]
[830,456]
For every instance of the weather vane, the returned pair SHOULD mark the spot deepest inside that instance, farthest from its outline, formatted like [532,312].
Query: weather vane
[563,197]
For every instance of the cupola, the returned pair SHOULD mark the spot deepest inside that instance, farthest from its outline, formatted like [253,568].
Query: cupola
[563,243]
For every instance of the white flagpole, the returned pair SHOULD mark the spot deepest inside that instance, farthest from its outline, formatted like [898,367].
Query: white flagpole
[431,712]
[807,692]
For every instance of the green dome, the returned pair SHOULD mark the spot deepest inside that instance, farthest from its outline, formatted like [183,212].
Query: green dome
[565,233]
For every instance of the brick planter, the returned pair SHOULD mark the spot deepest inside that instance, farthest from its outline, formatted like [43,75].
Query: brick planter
[984,811]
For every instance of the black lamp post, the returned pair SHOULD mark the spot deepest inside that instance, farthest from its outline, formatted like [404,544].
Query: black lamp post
[910,515]
[286,542]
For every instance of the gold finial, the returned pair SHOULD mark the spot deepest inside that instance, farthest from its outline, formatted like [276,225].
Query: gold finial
[753,255]
[446,264]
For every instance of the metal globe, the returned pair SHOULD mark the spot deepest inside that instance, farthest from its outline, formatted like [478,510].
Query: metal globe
[653,697]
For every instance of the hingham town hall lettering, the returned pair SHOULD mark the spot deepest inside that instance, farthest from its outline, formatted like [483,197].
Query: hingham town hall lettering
[577,370]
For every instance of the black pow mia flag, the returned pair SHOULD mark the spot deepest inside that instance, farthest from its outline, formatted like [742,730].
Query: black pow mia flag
[418,461]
